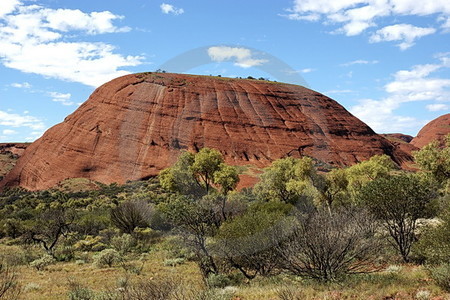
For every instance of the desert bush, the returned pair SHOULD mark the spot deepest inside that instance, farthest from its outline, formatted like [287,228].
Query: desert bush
[434,243]
[65,253]
[172,262]
[107,257]
[30,287]
[248,242]
[290,293]
[218,281]
[79,292]
[12,256]
[422,295]
[398,202]
[9,284]
[155,290]
[123,243]
[441,275]
[90,243]
[131,214]
[42,263]
[328,246]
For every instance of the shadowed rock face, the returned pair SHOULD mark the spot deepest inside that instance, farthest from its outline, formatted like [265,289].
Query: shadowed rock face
[136,125]
[400,137]
[435,130]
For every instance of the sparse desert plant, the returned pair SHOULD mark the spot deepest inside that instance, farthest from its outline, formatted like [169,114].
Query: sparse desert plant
[79,292]
[155,290]
[172,262]
[393,269]
[328,246]
[42,263]
[422,295]
[290,293]
[9,284]
[107,257]
[32,286]
[441,275]
[132,214]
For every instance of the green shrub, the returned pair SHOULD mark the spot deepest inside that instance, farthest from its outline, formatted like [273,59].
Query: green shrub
[434,245]
[441,275]
[123,243]
[90,243]
[218,281]
[42,263]
[107,257]
[65,253]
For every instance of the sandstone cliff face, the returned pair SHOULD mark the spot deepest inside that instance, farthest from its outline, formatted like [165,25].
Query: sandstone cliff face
[435,130]
[136,125]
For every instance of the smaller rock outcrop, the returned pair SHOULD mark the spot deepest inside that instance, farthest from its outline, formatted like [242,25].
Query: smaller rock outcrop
[435,130]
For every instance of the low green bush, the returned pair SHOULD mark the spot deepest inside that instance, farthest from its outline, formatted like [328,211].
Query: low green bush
[441,275]
[42,263]
[106,258]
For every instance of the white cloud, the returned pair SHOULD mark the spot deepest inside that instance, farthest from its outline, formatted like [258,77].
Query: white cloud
[8,6]
[242,57]
[34,39]
[360,62]
[170,9]
[23,85]
[16,120]
[339,92]
[8,132]
[64,99]
[354,17]
[438,107]
[405,33]
[307,70]
[416,84]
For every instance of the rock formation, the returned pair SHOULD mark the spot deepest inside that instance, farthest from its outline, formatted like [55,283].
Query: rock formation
[434,130]
[136,125]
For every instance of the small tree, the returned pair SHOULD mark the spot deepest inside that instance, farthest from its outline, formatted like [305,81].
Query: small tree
[398,201]
[195,221]
[197,174]
[326,247]
[248,242]
[285,180]
[50,225]
[435,160]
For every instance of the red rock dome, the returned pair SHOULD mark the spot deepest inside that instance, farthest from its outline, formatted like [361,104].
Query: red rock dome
[136,125]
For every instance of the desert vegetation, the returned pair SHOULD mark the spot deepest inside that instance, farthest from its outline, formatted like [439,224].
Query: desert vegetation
[370,231]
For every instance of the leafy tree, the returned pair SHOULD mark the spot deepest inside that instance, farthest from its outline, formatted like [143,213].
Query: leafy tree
[180,178]
[197,174]
[435,160]
[227,178]
[378,166]
[285,180]
[398,201]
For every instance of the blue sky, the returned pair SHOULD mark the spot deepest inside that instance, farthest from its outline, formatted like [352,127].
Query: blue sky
[386,61]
